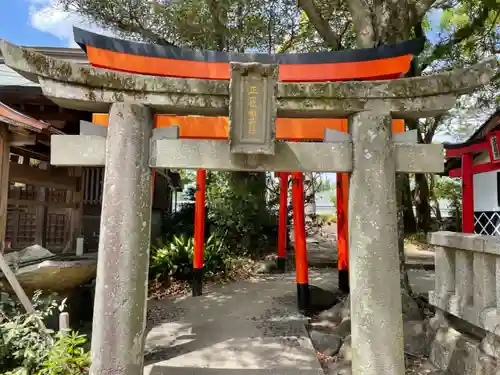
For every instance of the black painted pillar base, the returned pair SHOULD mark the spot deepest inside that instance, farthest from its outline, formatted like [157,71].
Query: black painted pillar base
[303,297]
[280,264]
[197,282]
[344,281]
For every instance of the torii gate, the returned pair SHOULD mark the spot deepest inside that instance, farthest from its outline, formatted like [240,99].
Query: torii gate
[386,62]
[132,148]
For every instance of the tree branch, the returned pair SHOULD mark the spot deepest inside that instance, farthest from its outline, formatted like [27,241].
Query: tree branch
[460,35]
[362,20]
[320,24]
[220,28]
[431,129]
[422,6]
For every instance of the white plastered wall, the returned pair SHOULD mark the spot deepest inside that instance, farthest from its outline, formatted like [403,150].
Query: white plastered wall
[485,187]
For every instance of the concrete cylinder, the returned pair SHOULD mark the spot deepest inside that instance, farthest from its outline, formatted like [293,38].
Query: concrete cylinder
[376,309]
[122,270]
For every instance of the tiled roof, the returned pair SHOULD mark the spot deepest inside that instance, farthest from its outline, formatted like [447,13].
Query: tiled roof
[8,77]
[20,120]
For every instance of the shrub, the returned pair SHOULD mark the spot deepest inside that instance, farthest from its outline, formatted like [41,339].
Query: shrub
[66,356]
[236,204]
[174,258]
[27,347]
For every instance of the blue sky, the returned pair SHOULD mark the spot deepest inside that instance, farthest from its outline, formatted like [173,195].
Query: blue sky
[16,26]
[43,23]
[38,23]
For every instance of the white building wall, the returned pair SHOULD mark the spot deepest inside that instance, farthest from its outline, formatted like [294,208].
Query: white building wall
[485,192]
[486,208]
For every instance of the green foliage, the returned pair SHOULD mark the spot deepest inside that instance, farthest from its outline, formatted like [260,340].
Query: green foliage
[66,356]
[180,222]
[28,347]
[323,185]
[174,258]
[449,189]
[236,205]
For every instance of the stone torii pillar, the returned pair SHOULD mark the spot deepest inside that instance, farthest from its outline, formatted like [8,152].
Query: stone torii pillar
[124,241]
[253,98]
[376,311]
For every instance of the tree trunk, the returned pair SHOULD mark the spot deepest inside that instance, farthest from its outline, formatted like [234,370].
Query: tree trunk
[410,224]
[437,208]
[422,202]
[401,182]
[309,202]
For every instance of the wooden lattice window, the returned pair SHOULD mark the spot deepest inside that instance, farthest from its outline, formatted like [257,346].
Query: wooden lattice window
[93,179]
[56,229]
[9,233]
[26,228]
[56,195]
[28,192]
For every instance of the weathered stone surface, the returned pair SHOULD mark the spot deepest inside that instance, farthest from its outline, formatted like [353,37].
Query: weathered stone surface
[443,346]
[83,87]
[443,83]
[376,309]
[321,299]
[325,341]
[37,268]
[415,337]
[77,150]
[345,351]
[418,158]
[29,254]
[206,154]
[121,286]
[56,275]
[491,345]
[464,241]
[458,354]
[336,313]
[339,368]
[343,329]
[266,266]
[411,310]
[252,108]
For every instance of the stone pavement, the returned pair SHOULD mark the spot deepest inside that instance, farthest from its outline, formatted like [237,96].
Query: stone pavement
[246,327]
[242,328]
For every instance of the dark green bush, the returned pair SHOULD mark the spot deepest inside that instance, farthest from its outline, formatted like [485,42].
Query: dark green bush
[236,204]
[173,258]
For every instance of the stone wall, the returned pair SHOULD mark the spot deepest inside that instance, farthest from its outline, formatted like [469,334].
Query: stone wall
[467,270]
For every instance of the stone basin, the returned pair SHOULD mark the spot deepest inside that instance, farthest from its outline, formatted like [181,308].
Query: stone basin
[38,268]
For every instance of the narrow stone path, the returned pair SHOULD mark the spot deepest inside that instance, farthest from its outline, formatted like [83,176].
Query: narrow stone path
[247,327]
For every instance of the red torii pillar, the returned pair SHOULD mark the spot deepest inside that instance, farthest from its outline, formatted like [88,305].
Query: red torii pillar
[301,266]
[199,233]
[282,223]
[342,233]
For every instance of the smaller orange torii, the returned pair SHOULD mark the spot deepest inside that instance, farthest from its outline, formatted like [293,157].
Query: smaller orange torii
[287,129]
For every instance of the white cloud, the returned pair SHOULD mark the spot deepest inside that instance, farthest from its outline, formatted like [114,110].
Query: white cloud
[49,17]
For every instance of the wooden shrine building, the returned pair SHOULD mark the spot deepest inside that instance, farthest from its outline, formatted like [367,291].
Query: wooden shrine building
[45,205]
[477,162]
